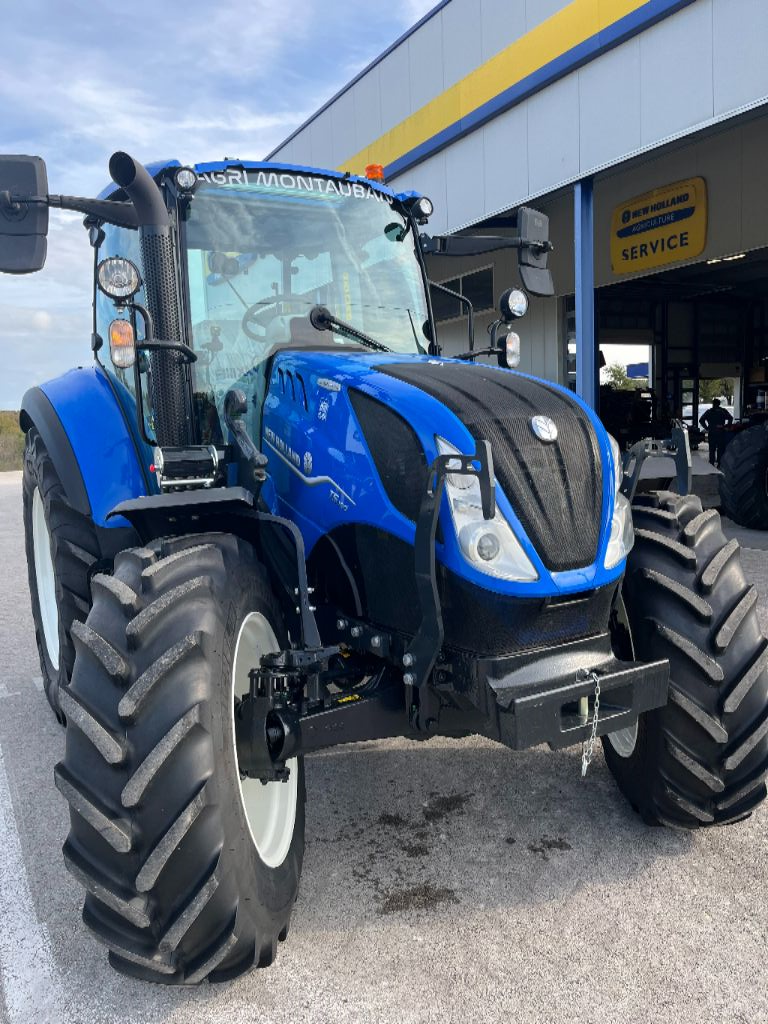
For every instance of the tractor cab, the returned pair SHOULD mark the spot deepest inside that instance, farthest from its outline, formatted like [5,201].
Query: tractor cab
[265,249]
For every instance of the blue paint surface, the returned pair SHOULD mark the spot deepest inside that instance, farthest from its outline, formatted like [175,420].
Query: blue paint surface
[323,475]
[100,438]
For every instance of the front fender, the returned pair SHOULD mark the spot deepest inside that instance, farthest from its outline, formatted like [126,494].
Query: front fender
[90,440]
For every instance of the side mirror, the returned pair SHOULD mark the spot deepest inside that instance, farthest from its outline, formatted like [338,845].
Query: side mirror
[23,214]
[533,226]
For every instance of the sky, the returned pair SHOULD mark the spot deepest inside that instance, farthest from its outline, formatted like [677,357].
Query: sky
[194,81]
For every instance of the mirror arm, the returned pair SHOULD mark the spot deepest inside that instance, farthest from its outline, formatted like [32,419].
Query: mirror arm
[476,245]
[122,215]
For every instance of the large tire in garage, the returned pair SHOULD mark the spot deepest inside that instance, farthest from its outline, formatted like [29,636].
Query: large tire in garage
[744,480]
[190,871]
[703,758]
[62,548]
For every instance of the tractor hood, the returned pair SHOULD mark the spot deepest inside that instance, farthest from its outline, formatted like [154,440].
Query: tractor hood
[550,471]
[553,480]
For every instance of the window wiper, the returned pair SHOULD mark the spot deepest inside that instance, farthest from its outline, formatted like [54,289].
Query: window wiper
[322,319]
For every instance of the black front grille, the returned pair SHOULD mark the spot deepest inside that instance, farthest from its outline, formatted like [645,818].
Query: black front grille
[396,450]
[555,488]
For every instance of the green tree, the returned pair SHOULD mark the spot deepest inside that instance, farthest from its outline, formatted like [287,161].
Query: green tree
[616,376]
[718,388]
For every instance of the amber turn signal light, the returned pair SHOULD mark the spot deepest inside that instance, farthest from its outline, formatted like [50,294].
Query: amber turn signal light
[122,343]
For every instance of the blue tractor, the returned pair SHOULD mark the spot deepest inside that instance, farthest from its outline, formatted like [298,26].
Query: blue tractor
[270,517]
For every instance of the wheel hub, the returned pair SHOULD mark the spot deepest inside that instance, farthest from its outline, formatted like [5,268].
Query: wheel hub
[270,808]
[45,579]
[624,741]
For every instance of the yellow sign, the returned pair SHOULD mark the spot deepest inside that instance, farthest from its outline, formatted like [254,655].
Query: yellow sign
[660,227]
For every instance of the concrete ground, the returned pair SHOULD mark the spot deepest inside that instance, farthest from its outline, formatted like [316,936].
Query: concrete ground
[449,881]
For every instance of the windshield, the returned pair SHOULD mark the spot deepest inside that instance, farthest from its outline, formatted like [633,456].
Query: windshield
[262,252]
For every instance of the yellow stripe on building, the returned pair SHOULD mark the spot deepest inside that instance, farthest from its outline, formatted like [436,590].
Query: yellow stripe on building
[569,27]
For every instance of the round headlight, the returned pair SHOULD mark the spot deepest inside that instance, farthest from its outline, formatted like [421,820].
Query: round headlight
[480,542]
[118,278]
[513,304]
[185,179]
[488,546]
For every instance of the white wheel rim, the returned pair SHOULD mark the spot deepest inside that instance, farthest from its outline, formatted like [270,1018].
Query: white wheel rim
[624,741]
[45,579]
[269,810]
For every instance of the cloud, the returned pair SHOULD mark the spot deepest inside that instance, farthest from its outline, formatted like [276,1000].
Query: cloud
[80,79]
[414,10]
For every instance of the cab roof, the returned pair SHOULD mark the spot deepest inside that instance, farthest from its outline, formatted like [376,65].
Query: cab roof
[158,166]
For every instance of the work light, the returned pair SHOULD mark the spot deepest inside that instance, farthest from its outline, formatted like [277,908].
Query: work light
[185,179]
[513,304]
[118,278]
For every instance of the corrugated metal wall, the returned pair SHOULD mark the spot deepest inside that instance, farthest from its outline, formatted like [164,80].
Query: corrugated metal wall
[701,63]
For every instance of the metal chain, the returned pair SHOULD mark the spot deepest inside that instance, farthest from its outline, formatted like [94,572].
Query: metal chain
[588,747]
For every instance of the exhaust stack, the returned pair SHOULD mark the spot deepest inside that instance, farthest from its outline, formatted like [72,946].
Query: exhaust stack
[170,385]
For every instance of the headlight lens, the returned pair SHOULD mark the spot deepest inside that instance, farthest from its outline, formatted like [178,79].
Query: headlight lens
[489,545]
[622,537]
[618,465]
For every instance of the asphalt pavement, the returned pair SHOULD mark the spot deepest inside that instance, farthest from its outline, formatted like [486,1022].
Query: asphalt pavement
[446,881]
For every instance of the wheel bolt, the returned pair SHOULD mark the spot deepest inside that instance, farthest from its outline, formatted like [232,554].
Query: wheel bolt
[341,624]
[357,631]
[409,678]
[407,660]
[375,641]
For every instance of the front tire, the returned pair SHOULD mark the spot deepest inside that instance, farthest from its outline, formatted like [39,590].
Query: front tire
[703,758]
[62,548]
[190,872]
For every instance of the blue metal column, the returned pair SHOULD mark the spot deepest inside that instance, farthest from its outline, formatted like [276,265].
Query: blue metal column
[584,247]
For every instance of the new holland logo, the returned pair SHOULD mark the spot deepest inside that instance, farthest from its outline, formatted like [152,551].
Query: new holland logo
[544,428]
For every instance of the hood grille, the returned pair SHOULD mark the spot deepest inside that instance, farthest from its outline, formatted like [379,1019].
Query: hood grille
[396,451]
[555,488]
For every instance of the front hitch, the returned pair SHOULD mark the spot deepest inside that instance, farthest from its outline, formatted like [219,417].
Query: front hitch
[266,720]
[279,719]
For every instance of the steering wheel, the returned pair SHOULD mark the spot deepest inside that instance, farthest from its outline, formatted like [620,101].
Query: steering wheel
[249,317]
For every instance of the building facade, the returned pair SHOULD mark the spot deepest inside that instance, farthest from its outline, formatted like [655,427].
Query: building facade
[638,126]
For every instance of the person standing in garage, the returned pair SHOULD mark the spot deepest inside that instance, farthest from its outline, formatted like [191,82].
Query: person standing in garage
[714,421]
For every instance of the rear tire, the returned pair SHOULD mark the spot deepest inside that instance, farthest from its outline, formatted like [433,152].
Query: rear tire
[161,836]
[62,548]
[744,480]
[703,758]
